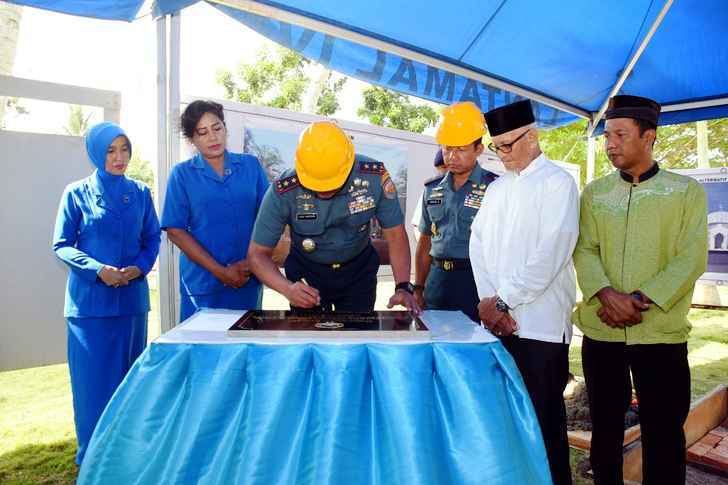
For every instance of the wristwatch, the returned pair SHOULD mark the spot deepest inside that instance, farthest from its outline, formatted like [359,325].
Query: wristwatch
[501,306]
[418,287]
[406,286]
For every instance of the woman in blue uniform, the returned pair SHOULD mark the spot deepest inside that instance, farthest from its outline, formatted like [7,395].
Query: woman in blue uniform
[108,233]
[209,211]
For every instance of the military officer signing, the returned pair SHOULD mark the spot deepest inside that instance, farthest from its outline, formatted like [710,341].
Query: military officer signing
[328,201]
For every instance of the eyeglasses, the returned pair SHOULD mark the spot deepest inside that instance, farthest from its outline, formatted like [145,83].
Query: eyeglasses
[507,147]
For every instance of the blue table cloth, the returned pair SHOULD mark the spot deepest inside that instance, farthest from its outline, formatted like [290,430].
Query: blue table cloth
[219,412]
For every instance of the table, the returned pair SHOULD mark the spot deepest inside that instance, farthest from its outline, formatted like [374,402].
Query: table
[201,407]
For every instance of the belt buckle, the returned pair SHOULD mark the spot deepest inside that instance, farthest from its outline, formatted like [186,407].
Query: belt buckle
[336,266]
[447,265]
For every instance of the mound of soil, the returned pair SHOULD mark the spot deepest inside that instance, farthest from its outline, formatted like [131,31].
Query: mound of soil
[577,407]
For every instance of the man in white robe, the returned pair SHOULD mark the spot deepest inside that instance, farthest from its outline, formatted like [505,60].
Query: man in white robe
[520,249]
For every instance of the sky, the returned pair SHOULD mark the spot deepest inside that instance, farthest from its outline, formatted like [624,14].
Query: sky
[121,57]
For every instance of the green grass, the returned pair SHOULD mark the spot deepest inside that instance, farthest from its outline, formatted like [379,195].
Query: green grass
[154,327]
[44,463]
[37,440]
[574,458]
[707,351]
[35,407]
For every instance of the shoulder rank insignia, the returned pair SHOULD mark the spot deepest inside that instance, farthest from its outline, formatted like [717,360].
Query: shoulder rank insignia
[373,167]
[487,177]
[285,184]
[434,180]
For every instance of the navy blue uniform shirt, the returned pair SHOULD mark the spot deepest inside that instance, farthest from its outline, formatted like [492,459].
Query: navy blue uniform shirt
[329,230]
[447,213]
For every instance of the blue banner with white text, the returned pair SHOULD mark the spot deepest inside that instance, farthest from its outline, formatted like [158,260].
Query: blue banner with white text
[389,70]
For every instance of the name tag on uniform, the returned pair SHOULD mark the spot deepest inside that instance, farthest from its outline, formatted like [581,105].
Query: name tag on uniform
[307,217]
[434,201]
[361,204]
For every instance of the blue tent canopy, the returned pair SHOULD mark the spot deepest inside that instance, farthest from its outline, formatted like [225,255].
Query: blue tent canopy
[389,70]
[100,9]
[568,56]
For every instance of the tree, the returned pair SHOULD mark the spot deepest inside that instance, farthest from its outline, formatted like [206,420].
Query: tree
[328,100]
[278,79]
[569,144]
[676,145]
[718,142]
[78,121]
[394,110]
[141,170]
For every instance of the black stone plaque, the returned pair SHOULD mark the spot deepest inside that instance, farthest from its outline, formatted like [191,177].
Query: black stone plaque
[382,324]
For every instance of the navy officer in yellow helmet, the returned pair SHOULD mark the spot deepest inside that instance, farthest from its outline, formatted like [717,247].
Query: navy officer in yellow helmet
[328,201]
[443,275]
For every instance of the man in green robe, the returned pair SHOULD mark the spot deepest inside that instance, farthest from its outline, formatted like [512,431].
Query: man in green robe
[642,246]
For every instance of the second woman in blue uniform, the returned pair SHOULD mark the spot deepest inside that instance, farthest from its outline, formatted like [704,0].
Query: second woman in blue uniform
[209,211]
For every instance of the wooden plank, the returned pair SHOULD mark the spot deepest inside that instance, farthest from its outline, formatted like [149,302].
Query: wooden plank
[580,439]
[705,414]
[632,434]
[632,463]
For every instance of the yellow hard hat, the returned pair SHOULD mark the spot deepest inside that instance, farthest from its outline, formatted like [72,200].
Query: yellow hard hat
[324,156]
[460,124]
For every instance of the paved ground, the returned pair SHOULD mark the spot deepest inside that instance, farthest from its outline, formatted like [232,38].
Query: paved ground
[696,476]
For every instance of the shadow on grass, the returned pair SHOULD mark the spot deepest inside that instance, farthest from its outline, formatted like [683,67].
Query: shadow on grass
[36,464]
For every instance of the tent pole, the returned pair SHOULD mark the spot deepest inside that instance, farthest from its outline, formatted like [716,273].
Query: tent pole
[702,132]
[168,96]
[708,103]
[174,87]
[282,15]
[591,150]
[630,65]
[173,101]
[166,254]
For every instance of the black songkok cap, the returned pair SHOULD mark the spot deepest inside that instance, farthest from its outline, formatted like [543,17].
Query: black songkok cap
[635,107]
[438,159]
[509,117]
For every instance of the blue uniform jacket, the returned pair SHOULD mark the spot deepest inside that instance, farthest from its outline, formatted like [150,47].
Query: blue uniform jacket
[447,214]
[219,212]
[92,232]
